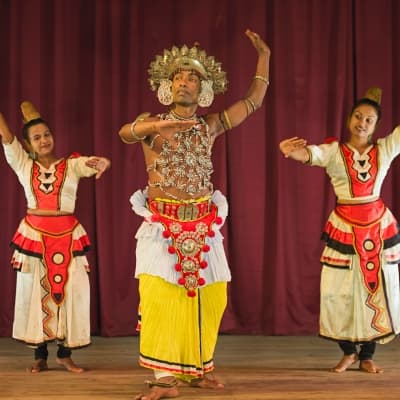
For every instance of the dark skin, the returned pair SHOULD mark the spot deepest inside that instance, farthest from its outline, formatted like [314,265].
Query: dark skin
[186,86]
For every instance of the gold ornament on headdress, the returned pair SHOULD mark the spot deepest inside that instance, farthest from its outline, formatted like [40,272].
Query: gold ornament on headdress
[374,94]
[184,58]
[29,112]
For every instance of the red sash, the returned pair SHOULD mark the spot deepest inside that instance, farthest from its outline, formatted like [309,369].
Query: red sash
[365,220]
[56,248]
[188,236]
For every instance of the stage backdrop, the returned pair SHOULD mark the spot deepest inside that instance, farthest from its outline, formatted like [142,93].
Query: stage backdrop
[84,64]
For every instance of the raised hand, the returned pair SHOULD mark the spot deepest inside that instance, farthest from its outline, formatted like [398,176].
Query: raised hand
[100,164]
[5,133]
[258,43]
[289,147]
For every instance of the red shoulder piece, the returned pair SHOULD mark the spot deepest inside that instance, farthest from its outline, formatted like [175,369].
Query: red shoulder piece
[75,154]
[331,139]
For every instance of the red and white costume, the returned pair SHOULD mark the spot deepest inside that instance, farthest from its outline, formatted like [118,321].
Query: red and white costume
[360,295]
[152,252]
[52,294]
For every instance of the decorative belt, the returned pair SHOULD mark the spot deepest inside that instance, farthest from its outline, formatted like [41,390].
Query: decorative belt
[181,211]
[186,226]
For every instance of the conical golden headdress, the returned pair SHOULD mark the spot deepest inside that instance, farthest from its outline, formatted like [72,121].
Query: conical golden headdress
[374,94]
[29,112]
[187,58]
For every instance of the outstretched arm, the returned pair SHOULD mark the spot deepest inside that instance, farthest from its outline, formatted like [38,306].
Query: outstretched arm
[147,128]
[295,148]
[240,110]
[6,135]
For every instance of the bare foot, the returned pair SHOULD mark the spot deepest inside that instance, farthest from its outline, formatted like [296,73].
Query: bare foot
[345,363]
[38,366]
[157,392]
[69,365]
[208,382]
[164,388]
[370,366]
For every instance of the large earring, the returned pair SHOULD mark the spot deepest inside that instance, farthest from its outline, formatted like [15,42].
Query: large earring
[164,92]
[206,96]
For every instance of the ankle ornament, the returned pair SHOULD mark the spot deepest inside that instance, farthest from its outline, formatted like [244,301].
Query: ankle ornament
[171,384]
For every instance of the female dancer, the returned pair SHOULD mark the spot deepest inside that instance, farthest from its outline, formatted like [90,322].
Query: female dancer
[360,302]
[52,293]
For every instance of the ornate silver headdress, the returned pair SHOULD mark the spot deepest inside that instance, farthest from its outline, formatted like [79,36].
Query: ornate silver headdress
[163,67]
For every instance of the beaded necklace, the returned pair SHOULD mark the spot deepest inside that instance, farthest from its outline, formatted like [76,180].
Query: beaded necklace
[175,116]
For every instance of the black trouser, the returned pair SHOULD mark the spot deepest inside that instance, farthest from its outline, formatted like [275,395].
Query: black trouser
[42,353]
[367,350]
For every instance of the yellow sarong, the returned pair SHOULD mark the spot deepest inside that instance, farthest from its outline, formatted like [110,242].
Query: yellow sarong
[178,333]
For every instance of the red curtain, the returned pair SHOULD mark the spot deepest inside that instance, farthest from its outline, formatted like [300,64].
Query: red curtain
[83,63]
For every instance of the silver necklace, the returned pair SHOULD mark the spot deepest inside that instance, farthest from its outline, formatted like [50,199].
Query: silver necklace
[180,118]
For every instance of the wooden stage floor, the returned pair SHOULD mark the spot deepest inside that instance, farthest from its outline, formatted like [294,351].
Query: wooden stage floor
[252,367]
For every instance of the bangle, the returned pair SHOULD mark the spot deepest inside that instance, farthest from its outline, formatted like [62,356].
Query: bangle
[140,117]
[251,102]
[227,120]
[248,110]
[133,132]
[262,78]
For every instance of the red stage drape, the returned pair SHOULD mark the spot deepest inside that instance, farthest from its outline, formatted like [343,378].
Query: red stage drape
[84,63]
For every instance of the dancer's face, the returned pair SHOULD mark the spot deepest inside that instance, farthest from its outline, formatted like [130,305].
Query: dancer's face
[186,87]
[362,122]
[41,140]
